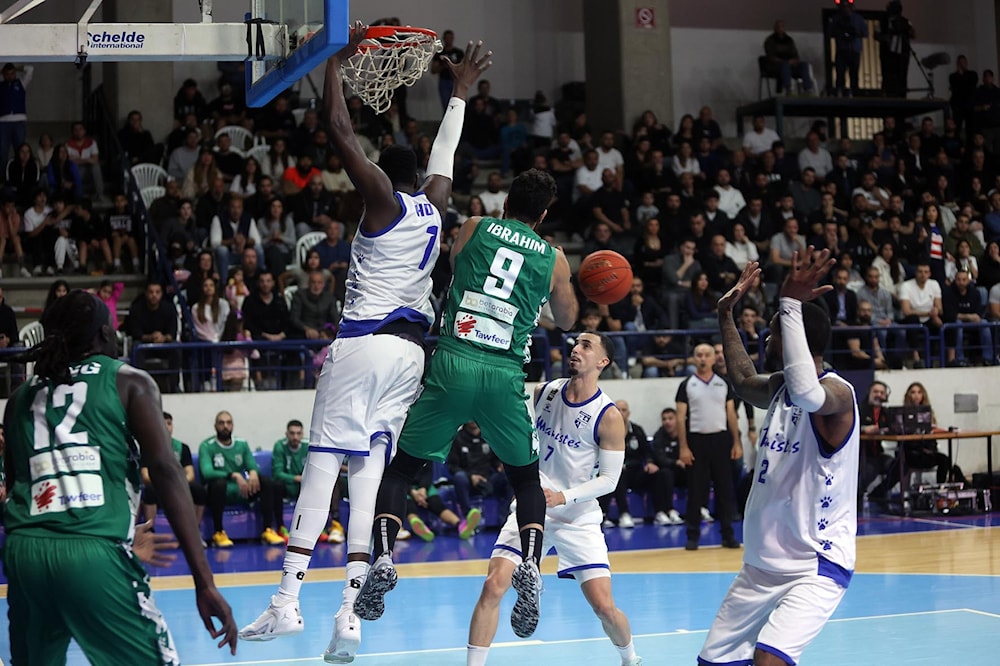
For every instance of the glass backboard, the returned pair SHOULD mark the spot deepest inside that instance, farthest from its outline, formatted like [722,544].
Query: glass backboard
[315,30]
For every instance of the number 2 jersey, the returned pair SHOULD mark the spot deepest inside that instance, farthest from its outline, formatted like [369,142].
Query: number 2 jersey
[502,278]
[76,465]
[389,277]
[802,512]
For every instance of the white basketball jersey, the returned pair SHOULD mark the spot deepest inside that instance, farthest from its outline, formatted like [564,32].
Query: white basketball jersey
[568,444]
[802,508]
[390,273]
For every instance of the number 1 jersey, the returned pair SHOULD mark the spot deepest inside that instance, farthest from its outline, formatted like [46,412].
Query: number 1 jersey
[76,465]
[503,276]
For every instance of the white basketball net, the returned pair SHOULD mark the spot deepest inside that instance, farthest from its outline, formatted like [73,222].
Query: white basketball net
[386,63]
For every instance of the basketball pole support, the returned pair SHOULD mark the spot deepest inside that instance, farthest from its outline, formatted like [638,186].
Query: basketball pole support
[129,42]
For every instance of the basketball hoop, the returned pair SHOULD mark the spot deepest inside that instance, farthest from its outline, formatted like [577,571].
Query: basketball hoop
[389,57]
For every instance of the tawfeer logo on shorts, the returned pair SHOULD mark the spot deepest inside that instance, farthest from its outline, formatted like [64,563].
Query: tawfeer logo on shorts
[486,331]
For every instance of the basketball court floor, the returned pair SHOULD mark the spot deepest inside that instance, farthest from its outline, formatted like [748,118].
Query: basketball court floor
[927,591]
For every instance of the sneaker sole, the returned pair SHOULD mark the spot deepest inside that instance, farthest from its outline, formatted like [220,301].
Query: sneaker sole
[524,616]
[471,523]
[343,653]
[422,531]
[370,604]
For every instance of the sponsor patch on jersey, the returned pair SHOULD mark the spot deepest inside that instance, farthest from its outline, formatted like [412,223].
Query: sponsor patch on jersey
[494,307]
[63,461]
[483,330]
[67,492]
[581,419]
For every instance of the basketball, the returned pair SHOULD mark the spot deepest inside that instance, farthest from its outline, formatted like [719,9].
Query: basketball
[605,277]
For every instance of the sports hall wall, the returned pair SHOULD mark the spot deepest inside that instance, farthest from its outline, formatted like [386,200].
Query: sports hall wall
[540,45]
[261,417]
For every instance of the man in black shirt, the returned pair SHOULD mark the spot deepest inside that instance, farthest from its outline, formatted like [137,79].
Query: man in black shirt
[962,83]
[665,455]
[152,320]
[445,82]
[783,59]
[265,317]
[476,470]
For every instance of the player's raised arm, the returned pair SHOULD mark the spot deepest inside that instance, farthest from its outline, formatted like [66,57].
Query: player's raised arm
[381,206]
[753,387]
[565,306]
[801,372]
[441,164]
[141,399]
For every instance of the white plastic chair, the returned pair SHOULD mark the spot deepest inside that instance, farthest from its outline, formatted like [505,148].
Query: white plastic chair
[149,175]
[259,153]
[241,136]
[30,335]
[151,194]
[290,294]
[306,243]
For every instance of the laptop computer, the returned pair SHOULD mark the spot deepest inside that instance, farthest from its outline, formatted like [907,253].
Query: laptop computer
[910,420]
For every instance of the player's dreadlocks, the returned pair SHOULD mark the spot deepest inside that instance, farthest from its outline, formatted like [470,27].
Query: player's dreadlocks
[71,323]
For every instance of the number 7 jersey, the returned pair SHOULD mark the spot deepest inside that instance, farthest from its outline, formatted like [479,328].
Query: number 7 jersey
[76,465]
[502,278]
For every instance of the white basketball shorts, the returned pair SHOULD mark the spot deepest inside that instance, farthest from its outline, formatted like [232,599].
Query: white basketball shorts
[365,389]
[778,613]
[581,549]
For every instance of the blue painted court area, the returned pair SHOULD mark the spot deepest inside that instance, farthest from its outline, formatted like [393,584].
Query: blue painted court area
[884,619]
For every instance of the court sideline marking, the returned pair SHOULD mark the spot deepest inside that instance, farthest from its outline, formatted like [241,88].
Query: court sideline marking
[568,641]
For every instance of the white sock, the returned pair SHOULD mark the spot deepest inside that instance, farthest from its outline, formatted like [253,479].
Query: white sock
[353,579]
[476,656]
[627,653]
[293,571]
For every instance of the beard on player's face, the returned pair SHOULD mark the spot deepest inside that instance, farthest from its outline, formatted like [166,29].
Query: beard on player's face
[223,433]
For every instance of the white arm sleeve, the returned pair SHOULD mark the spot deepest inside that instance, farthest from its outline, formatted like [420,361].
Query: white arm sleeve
[609,469]
[803,385]
[442,159]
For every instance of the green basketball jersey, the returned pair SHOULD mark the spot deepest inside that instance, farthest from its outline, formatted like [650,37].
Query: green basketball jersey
[76,465]
[219,462]
[287,463]
[503,277]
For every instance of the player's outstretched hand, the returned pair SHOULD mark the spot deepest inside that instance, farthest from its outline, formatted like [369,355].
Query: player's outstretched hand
[212,605]
[742,286]
[358,31]
[807,270]
[149,546]
[471,67]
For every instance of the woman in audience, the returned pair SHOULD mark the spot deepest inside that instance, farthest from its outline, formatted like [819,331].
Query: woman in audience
[962,261]
[989,268]
[245,183]
[63,176]
[57,290]
[22,176]
[109,292]
[890,270]
[701,305]
[474,209]
[46,146]
[299,275]
[685,133]
[685,161]
[210,316]
[647,259]
[200,177]
[925,455]
[977,196]
[756,298]
[277,160]
[277,231]
[741,249]
[201,269]
[10,227]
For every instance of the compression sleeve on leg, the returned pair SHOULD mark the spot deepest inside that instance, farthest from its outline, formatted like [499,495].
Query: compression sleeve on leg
[442,159]
[609,470]
[804,389]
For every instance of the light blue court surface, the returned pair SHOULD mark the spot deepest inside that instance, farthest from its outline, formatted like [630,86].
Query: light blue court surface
[884,619]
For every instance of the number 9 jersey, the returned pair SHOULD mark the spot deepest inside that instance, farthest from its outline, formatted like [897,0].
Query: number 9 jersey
[502,278]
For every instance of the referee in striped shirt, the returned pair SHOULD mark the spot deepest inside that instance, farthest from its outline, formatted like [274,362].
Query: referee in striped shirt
[709,441]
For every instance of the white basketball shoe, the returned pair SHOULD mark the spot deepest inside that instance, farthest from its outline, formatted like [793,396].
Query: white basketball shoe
[346,638]
[276,621]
